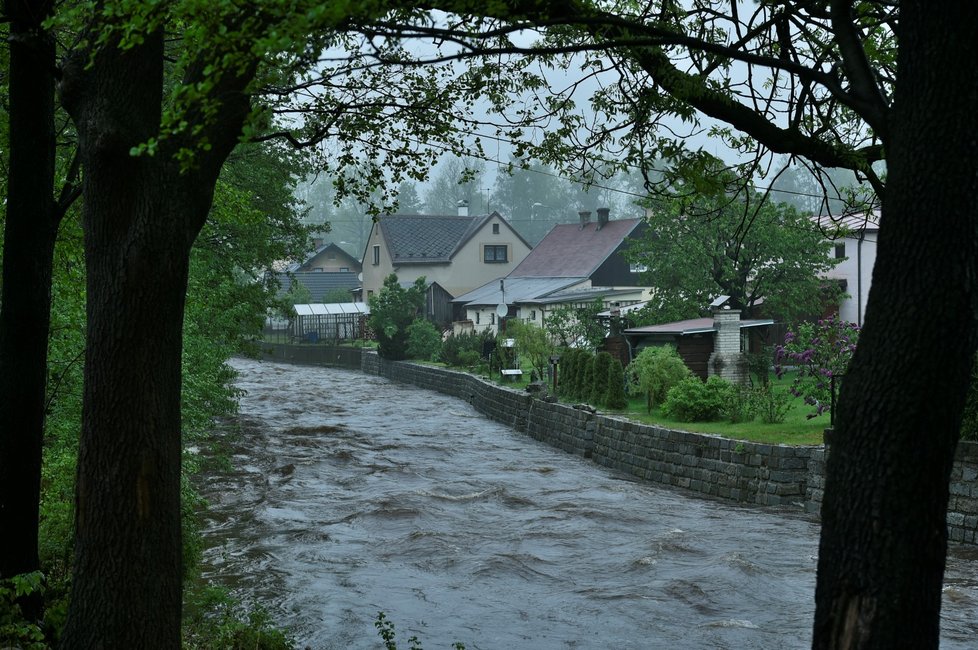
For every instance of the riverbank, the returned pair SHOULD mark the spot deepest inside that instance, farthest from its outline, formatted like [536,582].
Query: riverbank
[739,471]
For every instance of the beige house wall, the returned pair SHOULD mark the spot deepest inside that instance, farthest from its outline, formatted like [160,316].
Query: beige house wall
[374,274]
[467,270]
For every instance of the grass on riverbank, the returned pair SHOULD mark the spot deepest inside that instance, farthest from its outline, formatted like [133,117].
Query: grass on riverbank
[796,429]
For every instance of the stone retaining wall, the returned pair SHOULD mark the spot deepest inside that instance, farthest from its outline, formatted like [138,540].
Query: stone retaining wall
[315,355]
[745,472]
[739,471]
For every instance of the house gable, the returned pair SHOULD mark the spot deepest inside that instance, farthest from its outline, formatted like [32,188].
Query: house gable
[458,252]
[574,250]
[330,258]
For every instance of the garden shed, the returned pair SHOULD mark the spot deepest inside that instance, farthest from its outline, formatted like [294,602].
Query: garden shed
[695,339]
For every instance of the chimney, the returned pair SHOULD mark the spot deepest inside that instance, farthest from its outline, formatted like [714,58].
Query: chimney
[463,208]
[727,360]
[317,242]
[585,218]
[602,217]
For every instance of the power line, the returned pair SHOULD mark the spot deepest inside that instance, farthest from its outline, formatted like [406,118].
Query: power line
[570,180]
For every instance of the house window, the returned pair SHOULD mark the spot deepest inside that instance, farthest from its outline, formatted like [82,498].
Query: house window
[477,317]
[533,315]
[840,250]
[344,269]
[492,319]
[494,254]
[376,254]
[495,228]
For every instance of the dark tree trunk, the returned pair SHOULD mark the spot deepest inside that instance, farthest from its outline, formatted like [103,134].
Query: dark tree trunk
[25,310]
[141,216]
[884,534]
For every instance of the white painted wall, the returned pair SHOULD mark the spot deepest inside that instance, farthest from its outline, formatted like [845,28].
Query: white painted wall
[857,270]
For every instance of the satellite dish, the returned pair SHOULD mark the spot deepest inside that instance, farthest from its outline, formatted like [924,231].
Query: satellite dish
[359,277]
[502,309]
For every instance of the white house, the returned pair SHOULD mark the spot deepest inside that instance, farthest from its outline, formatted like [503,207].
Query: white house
[856,247]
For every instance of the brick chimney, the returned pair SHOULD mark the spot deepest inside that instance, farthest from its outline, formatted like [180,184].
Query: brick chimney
[602,217]
[727,360]
[585,218]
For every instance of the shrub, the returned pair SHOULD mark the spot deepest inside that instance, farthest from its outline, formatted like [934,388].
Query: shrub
[565,371]
[820,351]
[616,386]
[506,357]
[692,400]
[467,358]
[532,344]
[465,349]
[219,622]
[599,378]
[656,370]
[771,404]
[740,405]
[585,381]
[573,371]
[423,340]
[15,630]
[969,419]
[392,310]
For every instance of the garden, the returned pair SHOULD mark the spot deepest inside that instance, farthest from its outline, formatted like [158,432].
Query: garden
[787,401]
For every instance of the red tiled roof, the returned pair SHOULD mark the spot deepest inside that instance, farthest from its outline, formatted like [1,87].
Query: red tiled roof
[570,251]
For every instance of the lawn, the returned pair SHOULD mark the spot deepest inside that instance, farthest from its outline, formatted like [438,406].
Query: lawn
[796,429]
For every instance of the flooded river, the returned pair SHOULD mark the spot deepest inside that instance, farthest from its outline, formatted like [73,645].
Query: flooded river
[352,495]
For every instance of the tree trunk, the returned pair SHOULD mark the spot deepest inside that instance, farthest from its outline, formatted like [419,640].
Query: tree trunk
[141,217]
[25,310]
[126,577]
[884,533]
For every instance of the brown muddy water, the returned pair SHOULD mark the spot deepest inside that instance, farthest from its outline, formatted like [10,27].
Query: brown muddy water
[352,495]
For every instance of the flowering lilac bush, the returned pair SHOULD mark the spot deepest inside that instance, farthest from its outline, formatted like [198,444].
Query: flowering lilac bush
[819,351]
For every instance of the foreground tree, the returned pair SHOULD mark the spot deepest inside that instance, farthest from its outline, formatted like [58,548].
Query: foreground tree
[149,180]
[33,215]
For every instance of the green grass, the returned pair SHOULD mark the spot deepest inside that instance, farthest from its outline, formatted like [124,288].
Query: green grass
[795,430]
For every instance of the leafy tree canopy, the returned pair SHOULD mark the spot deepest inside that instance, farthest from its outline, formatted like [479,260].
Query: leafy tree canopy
[392,310]
[753,251]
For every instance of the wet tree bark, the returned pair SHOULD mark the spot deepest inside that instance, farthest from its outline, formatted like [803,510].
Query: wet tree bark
[884,534]
[31,226]
[141,216]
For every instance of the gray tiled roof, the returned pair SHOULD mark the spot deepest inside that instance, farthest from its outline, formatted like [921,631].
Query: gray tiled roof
[417,238]
[319,284]
[518,290]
